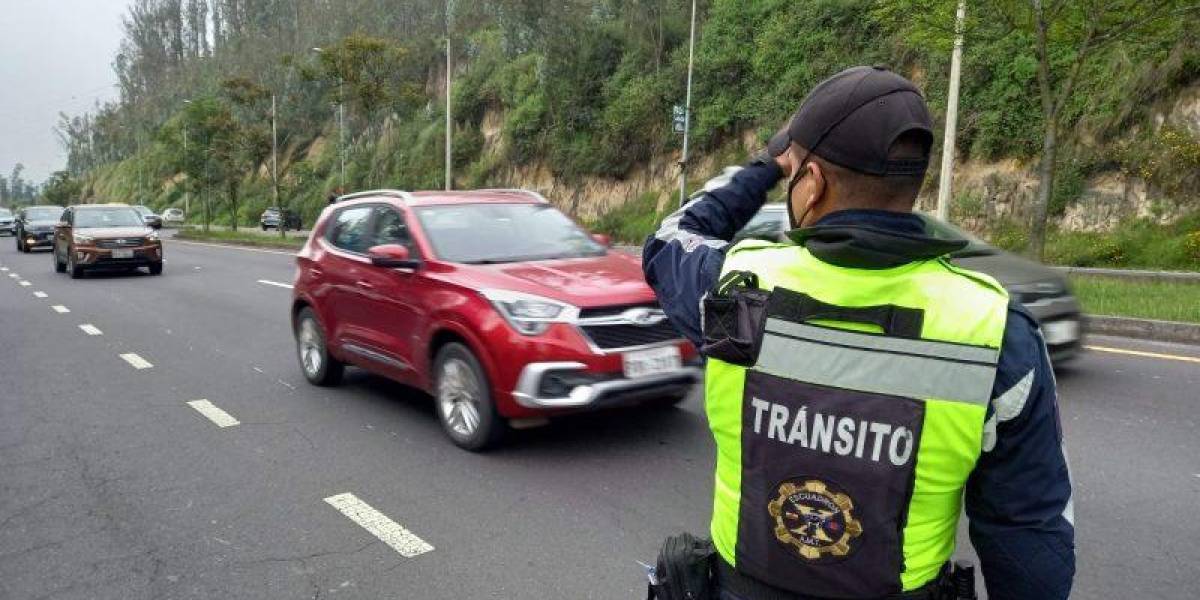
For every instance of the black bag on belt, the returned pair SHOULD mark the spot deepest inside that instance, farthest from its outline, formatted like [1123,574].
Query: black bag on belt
[684,569]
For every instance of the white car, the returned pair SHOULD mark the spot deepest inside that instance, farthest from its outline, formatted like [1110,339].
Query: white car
[172,216]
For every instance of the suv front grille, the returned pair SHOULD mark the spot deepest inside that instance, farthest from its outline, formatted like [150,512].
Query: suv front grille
[608,337]
[119,243]
[613,311]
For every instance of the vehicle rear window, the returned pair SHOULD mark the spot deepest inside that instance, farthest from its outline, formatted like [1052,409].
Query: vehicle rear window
[350,230]
[107,217]
[498,233]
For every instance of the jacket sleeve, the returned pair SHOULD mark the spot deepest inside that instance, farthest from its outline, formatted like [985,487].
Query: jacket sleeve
[682,260]
[1018,499]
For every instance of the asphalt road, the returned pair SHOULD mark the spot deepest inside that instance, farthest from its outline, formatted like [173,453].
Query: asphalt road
[113,486]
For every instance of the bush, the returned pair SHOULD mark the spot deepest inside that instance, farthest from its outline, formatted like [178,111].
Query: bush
[631,222]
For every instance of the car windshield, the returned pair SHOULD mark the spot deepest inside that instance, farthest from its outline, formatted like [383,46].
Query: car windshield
[768,223]
[143,210]
[943,230]
[106,217]
[43,214]
[502,233]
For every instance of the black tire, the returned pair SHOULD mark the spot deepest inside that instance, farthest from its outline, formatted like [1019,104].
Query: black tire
[156,268]
[318,366]
[23,247]
[59,267]
[74,270]
[455,363]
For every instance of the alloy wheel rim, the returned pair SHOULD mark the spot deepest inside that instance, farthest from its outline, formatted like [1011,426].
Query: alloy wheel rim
[458,397]
[310,348]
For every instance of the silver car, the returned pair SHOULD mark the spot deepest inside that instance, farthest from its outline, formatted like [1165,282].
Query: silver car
[1042,290]
[7,225]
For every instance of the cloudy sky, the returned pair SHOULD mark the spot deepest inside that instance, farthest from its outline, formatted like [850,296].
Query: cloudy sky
[55,55]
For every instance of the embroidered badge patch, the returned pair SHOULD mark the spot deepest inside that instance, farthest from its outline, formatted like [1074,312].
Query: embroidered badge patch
[814,519]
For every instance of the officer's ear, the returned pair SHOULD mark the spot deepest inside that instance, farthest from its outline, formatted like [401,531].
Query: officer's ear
[815,189]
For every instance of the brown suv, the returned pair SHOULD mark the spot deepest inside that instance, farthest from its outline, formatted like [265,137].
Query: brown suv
[105,236]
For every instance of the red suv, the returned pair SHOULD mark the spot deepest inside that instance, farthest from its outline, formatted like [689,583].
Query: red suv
[492,301]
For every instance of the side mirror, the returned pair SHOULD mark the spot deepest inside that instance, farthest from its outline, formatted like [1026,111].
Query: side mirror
[602,239]
[392,256]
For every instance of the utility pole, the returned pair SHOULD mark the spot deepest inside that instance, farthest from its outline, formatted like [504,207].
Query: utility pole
[275,169]
[945,179]
[449,120]
[187,189]
[341,116]
[687,111]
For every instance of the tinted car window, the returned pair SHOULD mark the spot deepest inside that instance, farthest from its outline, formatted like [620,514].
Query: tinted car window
[496,233]
[351,229]
[390,228]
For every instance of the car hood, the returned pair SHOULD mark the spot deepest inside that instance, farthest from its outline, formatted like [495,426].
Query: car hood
[613,279]
[114,232]
[1009,269]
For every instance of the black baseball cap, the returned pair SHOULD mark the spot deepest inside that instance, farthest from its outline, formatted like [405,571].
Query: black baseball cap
[853,118]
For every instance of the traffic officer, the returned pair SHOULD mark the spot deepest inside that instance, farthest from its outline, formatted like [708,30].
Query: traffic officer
[859,385]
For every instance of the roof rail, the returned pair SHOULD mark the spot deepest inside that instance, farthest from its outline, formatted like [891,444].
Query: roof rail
[401,194]
[517,191]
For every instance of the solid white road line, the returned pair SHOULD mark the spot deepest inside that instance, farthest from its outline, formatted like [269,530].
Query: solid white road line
[136,361]
[379,525]
[275,283]
[39,294]
[232,247]
[60,309]
[25,284]
[90,329]
[214,414]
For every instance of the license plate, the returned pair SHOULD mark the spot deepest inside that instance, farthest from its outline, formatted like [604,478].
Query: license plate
[1060,332]
[122,253]
[645,363]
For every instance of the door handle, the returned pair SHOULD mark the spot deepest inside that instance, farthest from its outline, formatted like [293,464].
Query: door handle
[364,285]
[315,272]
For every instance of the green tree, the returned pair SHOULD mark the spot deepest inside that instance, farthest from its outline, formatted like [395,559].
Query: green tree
[61,189]
[1065,38]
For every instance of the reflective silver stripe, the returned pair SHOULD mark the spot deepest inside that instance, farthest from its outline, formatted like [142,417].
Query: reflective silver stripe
[868,370]
[928,348]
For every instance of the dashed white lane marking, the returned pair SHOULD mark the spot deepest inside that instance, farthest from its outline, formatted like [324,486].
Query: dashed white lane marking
[90,329]
[25,284]
[232,247]
[13,275]
[379,525]
[136,361]
[5,269]
[60,309]
[39,294]
[214,414]
[275,283]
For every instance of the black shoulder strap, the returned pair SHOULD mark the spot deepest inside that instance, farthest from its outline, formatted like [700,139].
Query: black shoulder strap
[897,321]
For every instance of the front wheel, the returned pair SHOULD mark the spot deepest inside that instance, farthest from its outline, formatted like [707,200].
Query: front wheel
[464,400]
[59,267]
[318,366]
[156,268]
[74,270]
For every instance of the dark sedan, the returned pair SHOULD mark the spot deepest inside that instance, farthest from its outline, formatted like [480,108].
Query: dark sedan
[34,227]
[149,217]
[1040,289]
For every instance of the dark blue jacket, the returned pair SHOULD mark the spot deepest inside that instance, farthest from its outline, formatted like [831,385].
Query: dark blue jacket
[1018,499]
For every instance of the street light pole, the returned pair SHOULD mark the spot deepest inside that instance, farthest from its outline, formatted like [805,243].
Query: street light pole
[449,120]
[945,178]
[187,189]
[687,111]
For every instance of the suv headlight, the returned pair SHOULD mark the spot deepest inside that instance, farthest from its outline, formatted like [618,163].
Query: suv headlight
[152,236]
[83,239]
[527,313]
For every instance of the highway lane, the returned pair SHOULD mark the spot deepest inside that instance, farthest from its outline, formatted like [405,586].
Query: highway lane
[152,499]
